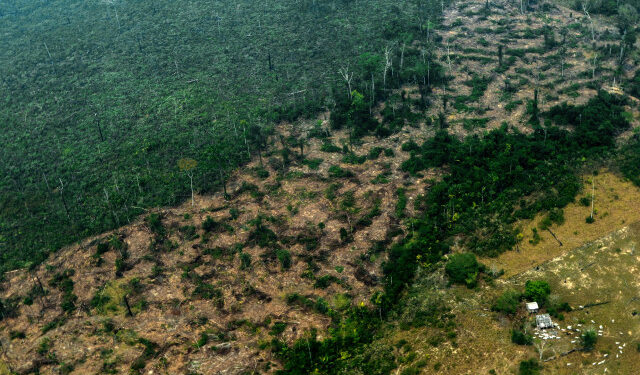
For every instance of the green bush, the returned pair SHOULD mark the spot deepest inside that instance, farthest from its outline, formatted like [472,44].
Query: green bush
[589,339]
[313,164]
[154,222]
[351,158]
[529,367]
[99,300]
[210,292]
[284,256]
[463,269]
[401,205]
[62,281]
[189,232]
[410,145]
[277,328]
[537,290]
[556,309]
[202,341]
[13,335]
[520,338]
[536,237]
[209,225]
[327,146]
[337,172]
[555,216]
[245,261]
[508,302]
[374,153]
[102,248]
[44,346]
[323,282]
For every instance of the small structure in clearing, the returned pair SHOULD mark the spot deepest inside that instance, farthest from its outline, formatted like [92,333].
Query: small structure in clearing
[532,307]
[543,321]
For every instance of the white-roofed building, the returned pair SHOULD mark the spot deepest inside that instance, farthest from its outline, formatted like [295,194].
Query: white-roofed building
[543,321]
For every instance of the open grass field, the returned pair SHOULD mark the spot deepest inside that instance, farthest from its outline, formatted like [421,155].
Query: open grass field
[603,272]
[617,203]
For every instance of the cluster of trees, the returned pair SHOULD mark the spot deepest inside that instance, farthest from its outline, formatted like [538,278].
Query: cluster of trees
[482,193]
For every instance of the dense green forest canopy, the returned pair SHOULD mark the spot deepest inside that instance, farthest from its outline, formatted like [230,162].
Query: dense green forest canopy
[100,99]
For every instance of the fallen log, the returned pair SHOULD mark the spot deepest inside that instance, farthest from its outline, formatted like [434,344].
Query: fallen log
[554,236]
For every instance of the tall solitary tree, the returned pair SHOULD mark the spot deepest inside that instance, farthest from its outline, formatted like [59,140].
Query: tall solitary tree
[187,166]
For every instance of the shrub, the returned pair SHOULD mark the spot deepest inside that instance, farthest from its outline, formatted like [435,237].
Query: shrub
[345,237]
[189,232]
[209,225]
[529,367]
[208,291]
[154,222]
[374,153]
[555,216]
[102,248]
[277,328]
[589,339]
[62,281]
[245,261]
[55,323]
[8,309]
[332,191]
[351,158]
[508,302]
[327,146]
[100,299]
[537,290]
[66,368]
[202,341]
[284,256]
[262,173]
[402,203]
[313,164]
[13,335]
[556,308]
[337,172]
[44,346]
[262,235]
[410,145]
[520,338]
[536,237]
[323,282]
[463,269]
[121,266]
